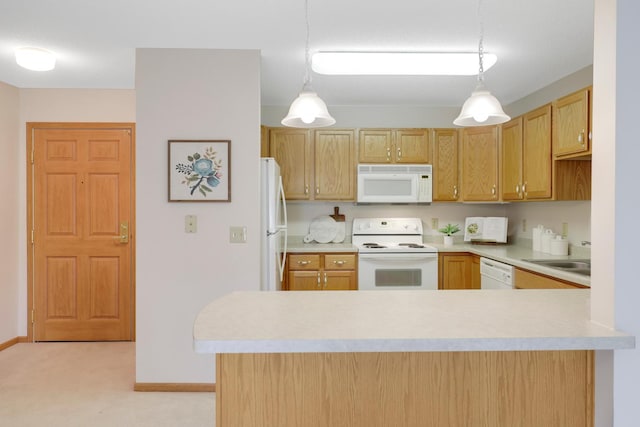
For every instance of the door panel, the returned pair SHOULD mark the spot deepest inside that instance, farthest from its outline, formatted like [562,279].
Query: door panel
[82,262]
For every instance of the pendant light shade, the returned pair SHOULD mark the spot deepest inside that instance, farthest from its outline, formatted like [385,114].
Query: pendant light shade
[308,110]
[481,108]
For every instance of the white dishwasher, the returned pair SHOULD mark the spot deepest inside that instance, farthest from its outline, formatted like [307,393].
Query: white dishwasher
[495,275]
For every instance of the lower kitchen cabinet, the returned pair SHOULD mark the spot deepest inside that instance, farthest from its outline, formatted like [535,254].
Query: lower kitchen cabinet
[458,270]
[525,279]
[321,272]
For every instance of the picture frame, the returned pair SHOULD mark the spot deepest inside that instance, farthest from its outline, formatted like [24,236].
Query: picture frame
[199,170]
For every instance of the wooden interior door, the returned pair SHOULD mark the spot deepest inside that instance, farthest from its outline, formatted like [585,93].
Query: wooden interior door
[81,206]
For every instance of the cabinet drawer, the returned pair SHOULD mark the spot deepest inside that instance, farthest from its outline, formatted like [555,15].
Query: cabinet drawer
[304,262]
[340,262]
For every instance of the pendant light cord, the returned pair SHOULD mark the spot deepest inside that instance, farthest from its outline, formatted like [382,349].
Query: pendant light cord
[307,56]
[481,45]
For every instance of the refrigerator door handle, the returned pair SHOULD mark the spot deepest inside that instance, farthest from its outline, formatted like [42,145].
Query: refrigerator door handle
[282,226]
[283,261]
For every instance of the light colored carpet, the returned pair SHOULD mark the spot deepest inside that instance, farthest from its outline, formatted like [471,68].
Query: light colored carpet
[88,384]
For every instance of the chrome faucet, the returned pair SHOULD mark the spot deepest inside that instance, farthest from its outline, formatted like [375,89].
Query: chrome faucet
[585,243]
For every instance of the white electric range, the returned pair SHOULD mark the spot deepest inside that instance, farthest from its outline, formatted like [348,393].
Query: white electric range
[392,255]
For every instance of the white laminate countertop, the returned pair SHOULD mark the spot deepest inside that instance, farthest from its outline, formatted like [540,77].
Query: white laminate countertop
[391,321]
[509,254]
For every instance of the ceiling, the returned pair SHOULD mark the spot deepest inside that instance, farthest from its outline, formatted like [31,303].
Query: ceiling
[537,42]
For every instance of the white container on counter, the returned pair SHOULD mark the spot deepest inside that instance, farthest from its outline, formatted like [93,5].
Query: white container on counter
[559,246]
[546,239]
[536,235]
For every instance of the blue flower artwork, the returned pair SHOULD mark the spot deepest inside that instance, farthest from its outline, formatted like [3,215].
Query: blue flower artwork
[199,170]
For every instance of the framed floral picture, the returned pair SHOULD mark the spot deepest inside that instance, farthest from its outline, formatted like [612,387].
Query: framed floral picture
[199,170]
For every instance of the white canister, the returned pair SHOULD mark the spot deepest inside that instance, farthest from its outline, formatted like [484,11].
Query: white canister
[536,234]
[546,239]
[559,246]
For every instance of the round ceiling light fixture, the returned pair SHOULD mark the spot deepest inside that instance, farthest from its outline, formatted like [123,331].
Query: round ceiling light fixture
[35,58]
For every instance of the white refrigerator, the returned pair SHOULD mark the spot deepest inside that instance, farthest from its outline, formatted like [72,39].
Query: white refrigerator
[273,249]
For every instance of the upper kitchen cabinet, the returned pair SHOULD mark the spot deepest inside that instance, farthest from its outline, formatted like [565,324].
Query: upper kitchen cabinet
[571,125]
[335,165]
[445,165]
[526,156]
[315,166]
[292,150]
[393,146]
[480,164]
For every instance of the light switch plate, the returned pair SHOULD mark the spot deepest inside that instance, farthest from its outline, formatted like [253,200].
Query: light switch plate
[190,224]
[238,234]
[565,229]
[434,223]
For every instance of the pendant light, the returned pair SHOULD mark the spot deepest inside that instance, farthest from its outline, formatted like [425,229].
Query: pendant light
[481,108]
[308,110]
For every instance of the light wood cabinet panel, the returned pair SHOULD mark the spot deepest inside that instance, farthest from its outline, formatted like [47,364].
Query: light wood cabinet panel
[537,154]
[445,165]
[264,141]
[321,272]
[318,166]
[393,146]
[512,148]
[475,272]
[292,150]
[335,166]
[304,281]
[304,262]
[410,389]
[339,280]
[571,124]
[458,271]
[411,145]
[374,146]
[572,179]
[480,164]
[525,279]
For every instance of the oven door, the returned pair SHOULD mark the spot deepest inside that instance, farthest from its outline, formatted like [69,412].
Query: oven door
[403,271]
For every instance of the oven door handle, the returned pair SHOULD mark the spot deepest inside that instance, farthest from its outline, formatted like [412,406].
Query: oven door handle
[391,257]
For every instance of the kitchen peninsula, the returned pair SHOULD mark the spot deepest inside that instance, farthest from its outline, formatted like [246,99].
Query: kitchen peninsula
[410,358]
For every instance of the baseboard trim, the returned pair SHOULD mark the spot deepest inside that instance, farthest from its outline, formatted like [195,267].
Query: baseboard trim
[12,341]
[176,387]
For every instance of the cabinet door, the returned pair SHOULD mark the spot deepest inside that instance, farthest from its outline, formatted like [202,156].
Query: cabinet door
[528,280]
[456,271]
[537,154]
[512,160]
[475,272]
[445,165]
[480,163]
[335,165]
[571,124]
[374,146]
[411,146]
[292,150]
[304,281]
[339,280]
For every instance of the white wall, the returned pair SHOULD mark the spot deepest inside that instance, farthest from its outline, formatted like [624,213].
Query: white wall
[199,94]
[59,105]
[616,290]
[11,166]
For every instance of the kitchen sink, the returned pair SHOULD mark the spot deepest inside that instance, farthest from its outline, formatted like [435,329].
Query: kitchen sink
[578,266]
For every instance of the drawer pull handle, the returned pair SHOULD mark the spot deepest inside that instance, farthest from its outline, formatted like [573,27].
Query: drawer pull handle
[340,262]
[304,262]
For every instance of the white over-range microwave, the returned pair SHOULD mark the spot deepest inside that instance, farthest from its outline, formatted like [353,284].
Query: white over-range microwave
[394,183]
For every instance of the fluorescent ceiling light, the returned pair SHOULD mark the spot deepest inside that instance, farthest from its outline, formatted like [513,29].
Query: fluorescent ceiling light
[36,59]
[400,63]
